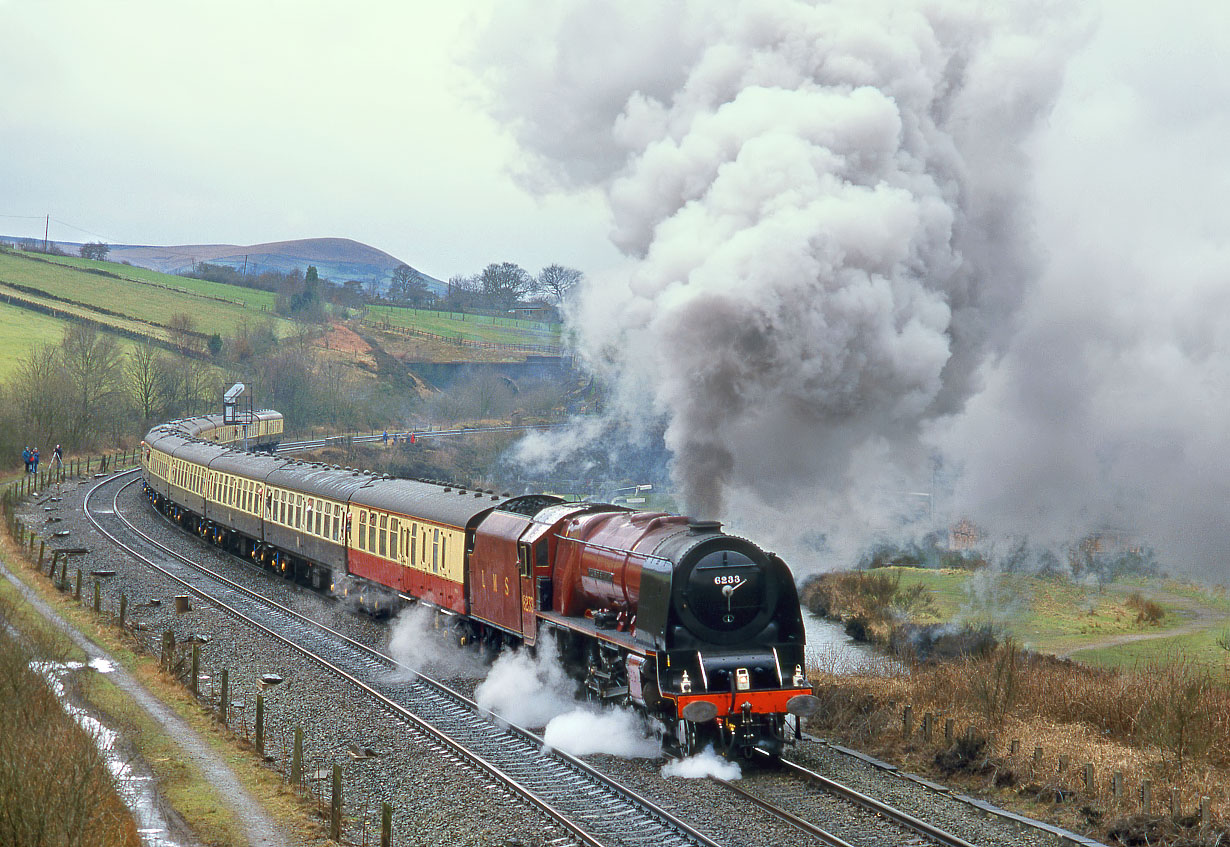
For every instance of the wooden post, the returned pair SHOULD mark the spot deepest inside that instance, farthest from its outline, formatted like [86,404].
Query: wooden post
[1063,763]
[1116,785]
[928,719]
[1205,819]
[64,574]
[42,545]
[123,609]
[907,721]
[1146,797]
[196,668]
[1176,806]
[97,596]
[386,825]
[1089,777]
[260,724]
[77,589]
[1037,759]
[226,691]
[296,758]
[31,542]
[1015,747]
[335,807]
[55,560]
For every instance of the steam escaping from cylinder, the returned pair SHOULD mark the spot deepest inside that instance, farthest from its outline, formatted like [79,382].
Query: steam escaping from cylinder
[821,204]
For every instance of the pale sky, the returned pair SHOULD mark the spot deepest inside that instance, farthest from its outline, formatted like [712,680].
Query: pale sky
[149,122]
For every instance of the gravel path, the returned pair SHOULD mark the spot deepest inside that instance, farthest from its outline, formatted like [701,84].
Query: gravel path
[435,800]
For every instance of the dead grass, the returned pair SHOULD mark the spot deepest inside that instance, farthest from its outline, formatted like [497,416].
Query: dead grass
[1167,723]
[185,788]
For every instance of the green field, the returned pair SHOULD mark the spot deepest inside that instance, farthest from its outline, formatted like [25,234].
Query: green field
[473,327]
[249,297]
[1091,623]
[142,302]
[21,329]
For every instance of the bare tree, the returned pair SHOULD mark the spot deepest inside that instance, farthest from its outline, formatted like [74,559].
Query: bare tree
[181,330]
[94,250]
[557,281]
[504,283]
[93,369]
[148,379]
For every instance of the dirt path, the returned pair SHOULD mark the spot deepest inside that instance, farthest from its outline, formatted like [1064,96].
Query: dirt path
[1204,617]
[259,828]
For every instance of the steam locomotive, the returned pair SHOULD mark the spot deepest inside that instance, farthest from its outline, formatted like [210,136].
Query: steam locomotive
[700,630]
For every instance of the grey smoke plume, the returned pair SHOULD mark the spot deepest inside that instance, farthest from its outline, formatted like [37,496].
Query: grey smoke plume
[823,202]
[1109,406]
[863,236]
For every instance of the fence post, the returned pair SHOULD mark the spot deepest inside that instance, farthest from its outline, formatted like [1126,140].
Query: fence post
[97,597]
[1089,776]
[196,669]
[386,825]
[1014,747]
[1146,797]
[335,807]
[123,609]
[64,574]
[1176,807]
[55,560]
[226,691]
[1116,785]
[41,546]
[260,724]
[907,721]
[77,589]
[296,758]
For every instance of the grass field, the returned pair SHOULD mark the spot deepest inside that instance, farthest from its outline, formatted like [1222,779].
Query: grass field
[139,301]
[22,329]
[248,297]
[474,327]
[1092,623]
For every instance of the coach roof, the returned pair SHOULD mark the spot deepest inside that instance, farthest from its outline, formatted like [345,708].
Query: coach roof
[427,501]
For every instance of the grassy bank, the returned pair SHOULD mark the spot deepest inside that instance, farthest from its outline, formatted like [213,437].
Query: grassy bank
[185,787]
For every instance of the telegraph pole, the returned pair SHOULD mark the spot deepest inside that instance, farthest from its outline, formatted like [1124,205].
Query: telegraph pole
[46,229]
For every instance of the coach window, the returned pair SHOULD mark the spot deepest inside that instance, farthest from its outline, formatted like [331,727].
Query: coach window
[362,545]
[435,550]
[337,523]
[413,537]
[371,532]
[384,534]
[393,539]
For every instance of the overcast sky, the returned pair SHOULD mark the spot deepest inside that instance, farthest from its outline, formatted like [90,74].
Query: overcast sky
[148,122]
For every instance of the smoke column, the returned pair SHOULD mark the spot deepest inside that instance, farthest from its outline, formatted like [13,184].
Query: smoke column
[867,239]
[817,269]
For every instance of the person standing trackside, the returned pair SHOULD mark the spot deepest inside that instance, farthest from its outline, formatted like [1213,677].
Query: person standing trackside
[57,456]
[25,458]
[34,461]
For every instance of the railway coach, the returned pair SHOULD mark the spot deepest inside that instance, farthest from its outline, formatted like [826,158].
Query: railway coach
[699,629]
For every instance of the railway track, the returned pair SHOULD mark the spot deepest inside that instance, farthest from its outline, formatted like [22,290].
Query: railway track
[798,796]
[592,808]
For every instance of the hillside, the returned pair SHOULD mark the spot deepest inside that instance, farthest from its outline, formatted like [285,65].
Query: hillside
[336,259]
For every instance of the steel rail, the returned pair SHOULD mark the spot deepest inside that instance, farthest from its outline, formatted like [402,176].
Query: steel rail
[871,804]
[398,710]
[780,813]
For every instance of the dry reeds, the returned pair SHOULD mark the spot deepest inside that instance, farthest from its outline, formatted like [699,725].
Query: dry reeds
[55,787]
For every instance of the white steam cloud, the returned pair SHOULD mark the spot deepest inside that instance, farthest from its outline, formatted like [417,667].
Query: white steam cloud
[702,766]
[869,237]
[534,690]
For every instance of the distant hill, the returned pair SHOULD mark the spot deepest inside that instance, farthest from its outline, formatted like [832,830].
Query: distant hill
[336,259]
